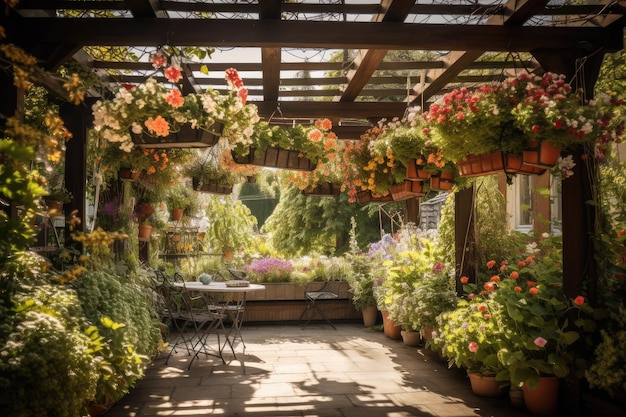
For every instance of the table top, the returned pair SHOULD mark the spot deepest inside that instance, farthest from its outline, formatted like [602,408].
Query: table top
[218,287]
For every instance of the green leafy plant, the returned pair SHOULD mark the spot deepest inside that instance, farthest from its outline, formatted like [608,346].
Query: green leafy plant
[608,367]
[314,142]
[231,225]
[471,335]
[547,333]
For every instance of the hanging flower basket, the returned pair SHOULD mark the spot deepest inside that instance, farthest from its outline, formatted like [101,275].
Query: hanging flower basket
[416,172]
[211,186]
[406,190]
[128,174]
[276,158]
[541,153]
[494,163]
[442,181]
[366,196]
[186,137]
[325,189]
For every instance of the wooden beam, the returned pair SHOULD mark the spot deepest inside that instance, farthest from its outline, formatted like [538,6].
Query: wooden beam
[515,14]
[367,61]
[301,34]
[270,56]
[317,109]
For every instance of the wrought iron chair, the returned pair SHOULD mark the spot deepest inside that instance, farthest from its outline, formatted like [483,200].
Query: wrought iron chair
[192,321]
[315,299]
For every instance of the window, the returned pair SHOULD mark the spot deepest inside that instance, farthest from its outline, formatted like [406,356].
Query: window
[519,203]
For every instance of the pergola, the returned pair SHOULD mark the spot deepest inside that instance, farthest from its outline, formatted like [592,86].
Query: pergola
[352,61]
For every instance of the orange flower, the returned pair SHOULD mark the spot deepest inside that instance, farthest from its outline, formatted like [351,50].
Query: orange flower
[518,289]
[514,275]
[464,280]
[158,126]
[521,264]
[175,99]
[534,291]
[495,278]
[490,264]
[580,300]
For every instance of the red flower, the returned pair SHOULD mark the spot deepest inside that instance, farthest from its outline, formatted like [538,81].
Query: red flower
[490,264]
[464,280]
[518,289]
[534,291]
[531,283]
[482,307]
[521,264]
[580,300]
[173,74]
[514,275]
[494,278]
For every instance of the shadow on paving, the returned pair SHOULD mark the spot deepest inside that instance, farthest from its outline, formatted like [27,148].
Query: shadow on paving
[317,371]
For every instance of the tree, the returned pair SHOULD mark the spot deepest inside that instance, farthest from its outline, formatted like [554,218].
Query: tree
[306,224]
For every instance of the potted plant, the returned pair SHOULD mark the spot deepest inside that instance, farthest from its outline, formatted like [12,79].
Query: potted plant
[208,173]
[328,177]
[313,143]
[547,333]
[150,112]
[361,283]
[504,118]
[231,226]
[180,200]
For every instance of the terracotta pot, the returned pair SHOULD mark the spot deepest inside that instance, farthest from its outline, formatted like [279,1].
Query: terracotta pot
[427,332]
[443,181]
[370,316]
[228,254]
[541,153]
[390,329]
[144,231]
[544,399]
[406,190]
[516,396]
[485,386]
[176,214]
[415,172]
[411,338]
[494,163]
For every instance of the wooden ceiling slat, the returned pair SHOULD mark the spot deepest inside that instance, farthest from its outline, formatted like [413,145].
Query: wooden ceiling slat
[367,61]
[298,34]
[322,8]
[516,12]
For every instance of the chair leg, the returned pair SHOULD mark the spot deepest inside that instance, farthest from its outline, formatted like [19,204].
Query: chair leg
[313,305]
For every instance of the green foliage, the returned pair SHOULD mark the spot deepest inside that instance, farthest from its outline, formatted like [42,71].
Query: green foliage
[231,225]
[471,336]
[301,224]
[126,334]
[416,289]
[46,363]
[608,369]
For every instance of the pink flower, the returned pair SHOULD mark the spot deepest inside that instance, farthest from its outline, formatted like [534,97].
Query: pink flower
[473,347]
[173,74]
[540,341]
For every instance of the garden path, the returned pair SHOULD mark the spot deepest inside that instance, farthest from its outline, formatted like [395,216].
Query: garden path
[316,371]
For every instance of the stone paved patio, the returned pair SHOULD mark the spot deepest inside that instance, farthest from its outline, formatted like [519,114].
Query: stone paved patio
[316,371]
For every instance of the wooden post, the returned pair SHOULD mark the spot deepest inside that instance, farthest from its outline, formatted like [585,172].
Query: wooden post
[464,236]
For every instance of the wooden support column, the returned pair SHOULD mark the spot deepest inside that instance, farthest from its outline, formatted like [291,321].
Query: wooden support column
[464,236]
[77,120]
[581,67]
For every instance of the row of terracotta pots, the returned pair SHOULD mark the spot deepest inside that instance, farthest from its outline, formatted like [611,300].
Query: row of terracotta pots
[541,401]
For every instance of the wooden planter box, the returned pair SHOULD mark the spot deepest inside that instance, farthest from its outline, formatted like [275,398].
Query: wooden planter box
[284,302]
[277,158]
[186,137]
